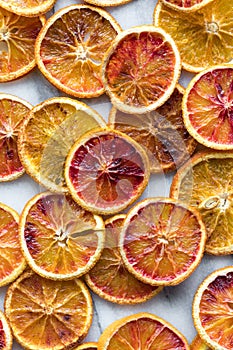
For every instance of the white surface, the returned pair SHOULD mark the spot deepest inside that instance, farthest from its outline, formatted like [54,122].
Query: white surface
[174,303]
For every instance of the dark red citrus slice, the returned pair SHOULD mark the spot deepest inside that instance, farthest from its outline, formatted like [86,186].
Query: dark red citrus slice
[5,333]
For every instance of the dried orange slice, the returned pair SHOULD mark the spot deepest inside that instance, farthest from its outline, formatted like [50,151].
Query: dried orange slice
[12,112]
[17,38]
[107,2]
[204,37]
[141,69]
[29,8]
[5,333]
[208,107]
[186,5]
[48,133]
[205,183]
[144,331]
[106,171]
[82,33]
[161,132]
[45,314]
[162,241]
[87,346]
[212,309]
[110,279]
[60,240]
[198,344]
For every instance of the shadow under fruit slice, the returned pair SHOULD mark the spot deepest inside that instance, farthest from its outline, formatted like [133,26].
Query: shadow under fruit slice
[141,331]
[186,5]
[162,241]
[45,314]
[87,346]
[27,7]
[110,279]
[82,33]
[198,344]
[60,240]
[5,333]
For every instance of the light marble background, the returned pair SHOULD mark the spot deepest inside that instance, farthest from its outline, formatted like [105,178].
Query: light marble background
[174,304]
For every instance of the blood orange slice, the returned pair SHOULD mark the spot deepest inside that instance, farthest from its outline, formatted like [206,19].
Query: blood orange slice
[27,7]
[106,171]
[198,344]
[87,346]
[5,333]
[60,240]
[162,241]
[48,315]
[110,279]
[186,5]
[142,331]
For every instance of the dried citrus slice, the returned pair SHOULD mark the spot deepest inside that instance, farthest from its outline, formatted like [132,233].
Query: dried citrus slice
[212,309]
[27,7]
[161,132]
[205,183]
[204,37]
[198,344]
[45,314]
[12,111]
[48,133]
[82,33]
[162,241]
[142,331]
[107,2]
[5,333]
[87,346]
[141,69]
[186,5]
[106,171]
[208,107]
[17,38]
[60,240]
[110,279]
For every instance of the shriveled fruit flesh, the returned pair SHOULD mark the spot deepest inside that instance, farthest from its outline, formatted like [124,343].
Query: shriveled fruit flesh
[208,107]
[205,183]
[12,112]
[161,132]
[5,333]
[186,5]
[45,314]
[107,2]
[198,344]
[204,37]
[17,38]
[141,69]
[60,240]
[82,33]
[106,171]
[110,279]
[212,309]
[162,241]
[142,331]
[29,8]
[87,346]
[47,135]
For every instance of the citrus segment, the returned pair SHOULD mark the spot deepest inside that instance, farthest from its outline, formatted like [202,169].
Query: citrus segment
[5,333]
[47,135]
[45,314]
[161,132]
[141,69]
[27,7]
[106,171]
[110,279]
[162,241]
[208,107]
[141,331]
[87,346]
[198,344]
[204,37]
[205,183]
[82,33]
[107,2]
[60,240]
[186,5]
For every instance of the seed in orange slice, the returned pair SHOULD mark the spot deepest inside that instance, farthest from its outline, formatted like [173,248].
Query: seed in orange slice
[208,107]
[198,344]
[82,33]
[205,183]
[5,333]
[106,171]
[17,38]
[60,240]
[142,331]
[204,37]
[161,132]
[212,309]
[141,69]
[162,241]
[107,2]
[45,314]
[110,279]
[186,5]
[47,135]
[28,8]
[87,346]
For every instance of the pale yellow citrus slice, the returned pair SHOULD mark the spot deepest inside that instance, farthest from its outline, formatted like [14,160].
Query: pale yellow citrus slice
[48,315]
[186,5]
[204,37]
[198,344]
[28,8]
[205,183]
[60,240]
[48,133]
[82,34]
[87,346]
[107,2]
[5,333]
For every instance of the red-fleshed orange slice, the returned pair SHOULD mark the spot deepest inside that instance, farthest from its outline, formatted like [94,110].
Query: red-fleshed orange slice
[5,333]
[29,8]
[186,5]
[87,346]
[198,344]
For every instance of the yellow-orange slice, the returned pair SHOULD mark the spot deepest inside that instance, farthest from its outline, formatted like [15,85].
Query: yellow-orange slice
[198,344]
[60,240]
[186,5]
[29,8]
[48,315]
[82,33]
[141,69]
[5,333]
[87,346]
[107,2]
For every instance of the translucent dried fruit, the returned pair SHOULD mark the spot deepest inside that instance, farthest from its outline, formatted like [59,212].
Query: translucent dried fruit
[29,8]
